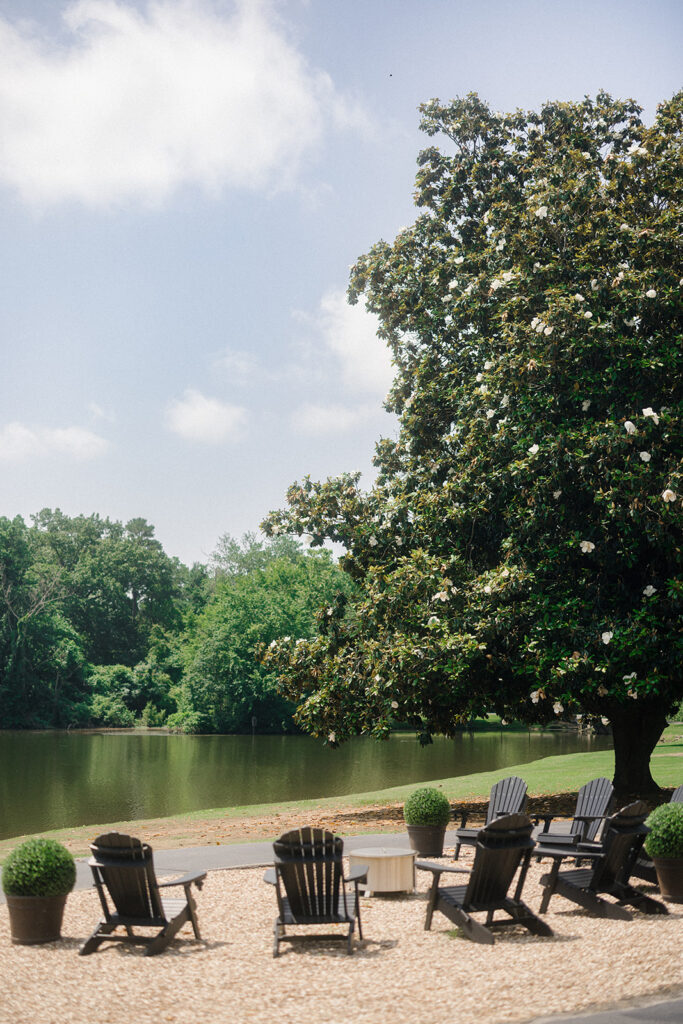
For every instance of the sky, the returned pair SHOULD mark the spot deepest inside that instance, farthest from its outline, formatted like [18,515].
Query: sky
[184,185]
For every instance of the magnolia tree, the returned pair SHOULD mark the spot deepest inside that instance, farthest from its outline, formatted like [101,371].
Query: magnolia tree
[519,551]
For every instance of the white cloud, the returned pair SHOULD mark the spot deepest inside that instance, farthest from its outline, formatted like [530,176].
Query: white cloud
[136,103]
[198,418]
[19,442]
[331,419]
[237,365]
[349,334]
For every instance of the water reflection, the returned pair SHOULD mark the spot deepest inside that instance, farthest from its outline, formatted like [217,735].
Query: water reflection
[57,779]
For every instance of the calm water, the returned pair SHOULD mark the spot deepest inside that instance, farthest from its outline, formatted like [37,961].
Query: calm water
[58,779]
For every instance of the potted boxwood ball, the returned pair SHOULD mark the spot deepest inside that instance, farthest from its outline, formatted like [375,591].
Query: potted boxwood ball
[426,813]
[664,844]
[36,879]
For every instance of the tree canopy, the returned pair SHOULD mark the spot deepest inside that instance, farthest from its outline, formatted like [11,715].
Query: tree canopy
[520,550]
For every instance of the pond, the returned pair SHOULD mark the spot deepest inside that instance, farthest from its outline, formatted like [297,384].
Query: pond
[57,779]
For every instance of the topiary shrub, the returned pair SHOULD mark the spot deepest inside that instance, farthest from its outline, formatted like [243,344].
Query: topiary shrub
[427,806]
[666,831]
[39,867]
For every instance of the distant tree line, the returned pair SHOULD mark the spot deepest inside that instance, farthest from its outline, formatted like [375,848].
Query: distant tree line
[100,627]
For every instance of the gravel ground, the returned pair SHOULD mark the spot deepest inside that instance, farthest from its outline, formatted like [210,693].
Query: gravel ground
[398,973]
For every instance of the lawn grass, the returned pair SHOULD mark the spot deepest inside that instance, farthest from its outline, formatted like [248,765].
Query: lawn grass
[563,773]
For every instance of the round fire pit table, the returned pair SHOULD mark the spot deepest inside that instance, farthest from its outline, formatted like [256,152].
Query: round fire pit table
[390,869]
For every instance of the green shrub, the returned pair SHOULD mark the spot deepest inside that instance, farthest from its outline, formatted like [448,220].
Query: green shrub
[39,867]
[427,806]
[666,831]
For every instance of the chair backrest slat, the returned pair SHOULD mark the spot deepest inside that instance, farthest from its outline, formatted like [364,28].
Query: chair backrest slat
[507,797]
[499,850]
[623,838]
[593,798]
[309,865]
[125,867]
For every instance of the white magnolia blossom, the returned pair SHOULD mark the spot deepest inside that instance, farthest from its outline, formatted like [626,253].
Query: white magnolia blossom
[488,364]
[636,149]
[629,427]
[548,331]
[602,691]
[587,546]
[501,245]
[651,293]
[399,541]
[669,495]
[542,212]
[649,590]
[606,636]
[490,413]
[651,414]
[378,678]
[394,705]
[505,401]
[632,693]
[540,327]
[483,389]
[588,315]
[624,227]
[487,589]
[441,595]
[458,260]
[330,612]
[533,449]
[479,377]
[558,708]
[275,530]
[286,639]
[433,620]
[557,493]
[579,297]
[272,644]
[586,404]
[332,738]
[373,541]
[452,285]
[595,284]
[535,696]
[629,677]
[645,456]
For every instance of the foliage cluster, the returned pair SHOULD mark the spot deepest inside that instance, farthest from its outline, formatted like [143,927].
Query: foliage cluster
[427,806]
[39,867]
[665,838]
[99,627]
[520,551]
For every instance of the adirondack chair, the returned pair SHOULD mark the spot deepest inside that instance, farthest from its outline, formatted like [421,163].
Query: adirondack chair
[592,804]
[311,888]
[613,859]
[501,847]
[123,867]
[507,797]
[644,867]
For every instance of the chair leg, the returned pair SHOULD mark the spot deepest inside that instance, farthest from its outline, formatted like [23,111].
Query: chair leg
[103,929]
[360,927]
[456,849]
[159,944]
[522,914]
[349,941]
[591,902]
[549,883]
[433,897]
[276,938]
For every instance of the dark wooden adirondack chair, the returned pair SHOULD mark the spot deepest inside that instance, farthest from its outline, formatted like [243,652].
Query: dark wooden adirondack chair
[592,804]
[507,797]
[123,867]
[501,847]
[644,867]
[613,859]
[311,887]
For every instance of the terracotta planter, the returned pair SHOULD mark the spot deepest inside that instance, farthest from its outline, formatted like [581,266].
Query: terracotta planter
[35,919]
[427,840]
[670,877]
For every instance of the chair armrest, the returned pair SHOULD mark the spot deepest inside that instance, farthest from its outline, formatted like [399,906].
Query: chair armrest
[358,873]
[436,869]
[197,877]
[270,876]
[560,854]
[559,838]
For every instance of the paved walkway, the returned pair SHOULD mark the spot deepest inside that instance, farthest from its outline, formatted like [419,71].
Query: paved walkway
[250,855]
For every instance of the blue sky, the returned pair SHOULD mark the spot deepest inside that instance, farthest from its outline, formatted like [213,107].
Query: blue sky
[183,187]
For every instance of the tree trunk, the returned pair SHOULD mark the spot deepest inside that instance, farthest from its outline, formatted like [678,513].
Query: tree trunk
[636,730]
